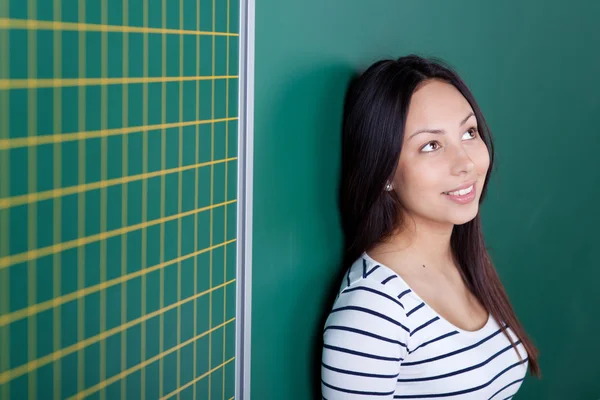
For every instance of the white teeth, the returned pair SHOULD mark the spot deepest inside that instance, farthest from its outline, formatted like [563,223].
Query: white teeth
[461,192]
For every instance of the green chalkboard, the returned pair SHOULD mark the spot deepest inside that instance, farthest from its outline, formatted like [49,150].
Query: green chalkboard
[534,69]
[118,174]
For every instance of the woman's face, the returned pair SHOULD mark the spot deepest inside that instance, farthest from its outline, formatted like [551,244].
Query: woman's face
[444,161]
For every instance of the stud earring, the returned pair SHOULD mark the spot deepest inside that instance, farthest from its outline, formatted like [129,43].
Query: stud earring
[388,187]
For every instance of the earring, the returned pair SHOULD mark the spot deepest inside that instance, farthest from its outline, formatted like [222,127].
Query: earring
[388,187]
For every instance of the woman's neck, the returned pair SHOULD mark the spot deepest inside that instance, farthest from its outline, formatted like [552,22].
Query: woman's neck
[420,243]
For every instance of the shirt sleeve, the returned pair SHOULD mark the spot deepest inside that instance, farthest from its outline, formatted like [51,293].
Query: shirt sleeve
[364,342]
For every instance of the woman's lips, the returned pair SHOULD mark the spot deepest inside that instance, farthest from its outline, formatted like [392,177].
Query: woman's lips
[464,195]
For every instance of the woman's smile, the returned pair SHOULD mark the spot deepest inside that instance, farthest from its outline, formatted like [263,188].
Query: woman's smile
[463,194]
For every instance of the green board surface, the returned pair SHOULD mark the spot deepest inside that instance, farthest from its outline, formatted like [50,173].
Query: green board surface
[118,175]
[533,68]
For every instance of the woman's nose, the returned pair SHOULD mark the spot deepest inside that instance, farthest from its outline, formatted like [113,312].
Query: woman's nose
[461,162]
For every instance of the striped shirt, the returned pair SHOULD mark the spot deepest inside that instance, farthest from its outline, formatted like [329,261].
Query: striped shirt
[382,341]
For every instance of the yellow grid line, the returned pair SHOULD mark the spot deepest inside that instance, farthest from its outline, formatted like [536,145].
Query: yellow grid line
[5,213]
[10,84]
[159,357]
[179,198]
[57,204]
[103,194]
[196,380]
[32,208]
[144,201]
[80,202]
[86,187]
[46,251]
[32,24]
[196,158]
[124,195]
[8,143]
[212,178]
[163,162]
[226,184]
[81,345]
[8,319]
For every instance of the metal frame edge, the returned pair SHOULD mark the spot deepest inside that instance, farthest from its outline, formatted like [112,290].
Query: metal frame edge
[245,193]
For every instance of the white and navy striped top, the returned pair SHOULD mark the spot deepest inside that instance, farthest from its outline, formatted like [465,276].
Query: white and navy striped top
[381,341]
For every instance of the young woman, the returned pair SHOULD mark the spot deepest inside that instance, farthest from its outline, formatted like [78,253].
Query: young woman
[421,312]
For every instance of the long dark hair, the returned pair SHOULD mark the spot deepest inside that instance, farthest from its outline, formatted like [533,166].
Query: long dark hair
[375,111]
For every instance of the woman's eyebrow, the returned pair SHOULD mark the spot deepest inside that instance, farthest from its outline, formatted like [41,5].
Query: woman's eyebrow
[440,131]
[464,121]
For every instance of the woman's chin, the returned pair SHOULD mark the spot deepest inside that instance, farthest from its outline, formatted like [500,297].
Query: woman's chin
[461,218]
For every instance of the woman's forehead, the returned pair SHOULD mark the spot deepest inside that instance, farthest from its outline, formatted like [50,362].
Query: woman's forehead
[437,105]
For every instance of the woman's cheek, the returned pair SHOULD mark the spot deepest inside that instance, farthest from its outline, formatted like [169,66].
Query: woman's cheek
[483,159]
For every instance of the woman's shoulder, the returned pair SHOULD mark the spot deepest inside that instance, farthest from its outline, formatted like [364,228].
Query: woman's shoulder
[371,288]
[366,274]
[368,306]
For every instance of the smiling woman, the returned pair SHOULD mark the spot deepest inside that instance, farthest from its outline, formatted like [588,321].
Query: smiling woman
[421,312]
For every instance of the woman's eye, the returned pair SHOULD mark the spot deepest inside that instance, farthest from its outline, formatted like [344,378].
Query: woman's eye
[470,134]
[431,146]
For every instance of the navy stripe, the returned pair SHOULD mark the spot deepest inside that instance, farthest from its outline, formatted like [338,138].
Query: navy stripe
[403,293]
[389,278]
[365,273]
[460,371]
[356,391]
[358,353]
[508,398]
[375,313]
[365,333]
[372,270]
[368,289]
[344,371]
[510,384]
[431,321]
[433,340]
[348,276]
[473,389]
[415,309]
[453,352]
